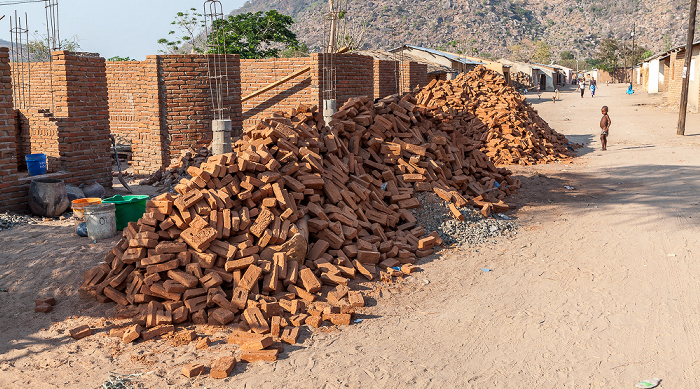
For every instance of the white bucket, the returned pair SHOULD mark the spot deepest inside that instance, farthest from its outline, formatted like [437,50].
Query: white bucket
[101,221]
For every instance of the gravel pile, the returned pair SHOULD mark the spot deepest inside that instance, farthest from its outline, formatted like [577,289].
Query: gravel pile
[9,220]
[434,215]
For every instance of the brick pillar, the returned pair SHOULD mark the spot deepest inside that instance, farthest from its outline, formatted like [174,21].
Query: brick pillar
[414,74]
[10,193]
[82,114]
[385,78]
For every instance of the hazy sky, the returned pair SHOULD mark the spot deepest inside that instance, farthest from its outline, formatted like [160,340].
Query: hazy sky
[127,28]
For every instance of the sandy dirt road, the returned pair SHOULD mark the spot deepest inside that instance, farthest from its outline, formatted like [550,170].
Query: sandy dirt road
[599,289]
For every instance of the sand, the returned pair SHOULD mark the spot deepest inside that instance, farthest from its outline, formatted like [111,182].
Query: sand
[597,290]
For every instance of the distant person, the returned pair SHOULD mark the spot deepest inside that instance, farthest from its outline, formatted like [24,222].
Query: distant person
[604,127]
[581,86]
[592,89]
[630,91]
[555,96]
[538,92]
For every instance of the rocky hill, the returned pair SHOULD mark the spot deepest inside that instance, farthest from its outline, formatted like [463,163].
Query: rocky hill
[492,26]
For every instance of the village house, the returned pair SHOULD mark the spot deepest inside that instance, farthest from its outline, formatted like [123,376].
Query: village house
[663,72]
[460,64]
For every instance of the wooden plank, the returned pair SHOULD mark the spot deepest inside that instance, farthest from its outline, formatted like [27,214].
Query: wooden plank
[276,83]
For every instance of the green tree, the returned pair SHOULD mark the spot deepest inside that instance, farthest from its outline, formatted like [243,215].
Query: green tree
[118,58]
[542,53]
[254,35]
[608,55]
[188,36]
[564,55]
[301,51]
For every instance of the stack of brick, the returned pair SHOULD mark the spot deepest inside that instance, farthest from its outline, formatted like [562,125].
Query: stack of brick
[178,168]
[521,81]
[494,118]
[270,236]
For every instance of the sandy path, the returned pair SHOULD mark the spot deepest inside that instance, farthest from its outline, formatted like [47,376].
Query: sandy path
[597,290]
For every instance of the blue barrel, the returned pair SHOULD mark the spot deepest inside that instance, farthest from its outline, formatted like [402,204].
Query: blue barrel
[36,164]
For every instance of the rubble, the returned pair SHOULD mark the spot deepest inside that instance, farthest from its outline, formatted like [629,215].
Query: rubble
[434,215]
[168,178]
[10,219]
[494,118]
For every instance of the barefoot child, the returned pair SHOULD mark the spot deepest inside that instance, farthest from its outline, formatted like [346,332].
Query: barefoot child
[604,127]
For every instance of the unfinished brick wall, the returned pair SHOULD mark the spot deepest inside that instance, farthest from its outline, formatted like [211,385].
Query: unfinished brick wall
[258,73]
[37,134]
[185,97]
[66,117]
[134,111]
[385,78]
[355,76]
[11,194]
[82,114]
[413,74]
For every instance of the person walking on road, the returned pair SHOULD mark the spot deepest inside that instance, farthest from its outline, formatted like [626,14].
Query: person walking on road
[581,86]
[593,87]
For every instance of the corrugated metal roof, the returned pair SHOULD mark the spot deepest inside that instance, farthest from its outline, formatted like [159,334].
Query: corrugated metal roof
[433,68]
[449,56]
[668,52]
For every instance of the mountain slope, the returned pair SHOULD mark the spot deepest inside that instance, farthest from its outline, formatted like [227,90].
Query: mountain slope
[491,26]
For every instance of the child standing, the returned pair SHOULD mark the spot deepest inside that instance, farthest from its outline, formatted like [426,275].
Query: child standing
[604,127]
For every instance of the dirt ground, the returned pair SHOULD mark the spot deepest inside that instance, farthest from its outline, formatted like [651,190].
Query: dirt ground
[597,290]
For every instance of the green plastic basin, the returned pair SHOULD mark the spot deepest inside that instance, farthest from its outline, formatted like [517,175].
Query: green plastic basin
[128,208]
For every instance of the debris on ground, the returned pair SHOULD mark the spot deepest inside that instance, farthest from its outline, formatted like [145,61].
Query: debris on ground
[10,219]
[475,229]
[44,305]
[168,178]
[652,383]
[494,118]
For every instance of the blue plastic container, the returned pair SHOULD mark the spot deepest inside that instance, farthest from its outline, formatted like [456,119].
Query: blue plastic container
[36,164]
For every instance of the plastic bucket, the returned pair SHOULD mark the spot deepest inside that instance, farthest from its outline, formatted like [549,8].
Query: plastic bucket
[36,164]
[128,208]
[101,221]
[79,205]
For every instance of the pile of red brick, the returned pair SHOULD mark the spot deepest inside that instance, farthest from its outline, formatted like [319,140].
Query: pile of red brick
[270,236]
[494,118]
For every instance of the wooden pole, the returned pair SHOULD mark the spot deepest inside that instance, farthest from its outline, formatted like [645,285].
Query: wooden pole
[686,68]
[334,21]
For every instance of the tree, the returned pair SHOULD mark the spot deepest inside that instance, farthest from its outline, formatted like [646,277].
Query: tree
[565,55]
[301,51]
[190,26]
[118,58]
[529,51]
[39,51]
[543,52]
[253,35]
[522,52]
[608,55]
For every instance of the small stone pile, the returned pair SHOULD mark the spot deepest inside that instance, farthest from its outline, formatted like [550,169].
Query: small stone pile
[9,220]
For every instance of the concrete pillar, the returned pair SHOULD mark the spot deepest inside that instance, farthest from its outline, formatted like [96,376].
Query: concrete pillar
[221,137]
[329,110]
